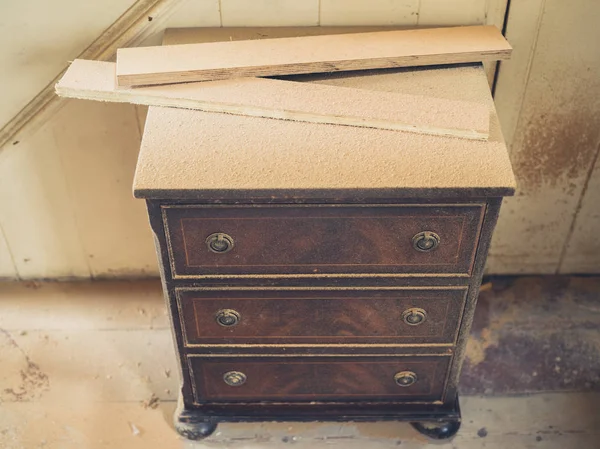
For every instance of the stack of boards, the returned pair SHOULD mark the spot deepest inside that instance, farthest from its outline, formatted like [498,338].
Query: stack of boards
[229,77]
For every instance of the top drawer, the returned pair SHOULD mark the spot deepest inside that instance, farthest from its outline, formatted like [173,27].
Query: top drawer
[209,240]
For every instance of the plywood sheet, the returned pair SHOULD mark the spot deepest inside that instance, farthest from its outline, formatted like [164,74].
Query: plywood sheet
[269,57]
[288,100]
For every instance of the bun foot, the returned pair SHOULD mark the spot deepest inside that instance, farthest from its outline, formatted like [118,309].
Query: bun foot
[195,430]
[437,430]
[192,424]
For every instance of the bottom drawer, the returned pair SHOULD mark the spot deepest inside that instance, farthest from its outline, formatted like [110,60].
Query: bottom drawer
[327,378]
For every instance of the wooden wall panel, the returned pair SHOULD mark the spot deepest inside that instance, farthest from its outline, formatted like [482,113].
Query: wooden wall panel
[369,12]
[39,37]
[582,254]
[264,13]
[522,29]
[36,215]
[455,12]
[552,133]
[68,211]
[98,144]
[7,266]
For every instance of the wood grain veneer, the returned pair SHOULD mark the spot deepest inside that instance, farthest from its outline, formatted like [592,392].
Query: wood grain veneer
[371,317]
[322,239]
[320,378]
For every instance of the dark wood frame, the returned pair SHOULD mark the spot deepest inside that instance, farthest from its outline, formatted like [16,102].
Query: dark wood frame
[196,420]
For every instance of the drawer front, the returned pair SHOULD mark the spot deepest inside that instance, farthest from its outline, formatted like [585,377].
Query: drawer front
[326,239]
[408,378]
[397,316]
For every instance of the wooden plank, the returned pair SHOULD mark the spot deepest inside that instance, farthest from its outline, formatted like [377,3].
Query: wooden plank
[288,100]
[269,57]
[270,157]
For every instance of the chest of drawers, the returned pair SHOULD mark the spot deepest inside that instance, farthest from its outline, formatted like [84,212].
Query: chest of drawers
[317,272]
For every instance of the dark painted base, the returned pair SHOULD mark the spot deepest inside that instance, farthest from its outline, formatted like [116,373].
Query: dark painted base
[434,422]
[437,430]
[192,424]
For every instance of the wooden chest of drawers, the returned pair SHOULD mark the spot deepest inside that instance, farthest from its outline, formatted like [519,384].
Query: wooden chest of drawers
[304,284]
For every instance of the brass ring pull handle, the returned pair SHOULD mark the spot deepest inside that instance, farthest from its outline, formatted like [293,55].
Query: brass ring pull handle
[227,317]
[234,378]
[405,378]
[426,241]
[414,316]
[219,243]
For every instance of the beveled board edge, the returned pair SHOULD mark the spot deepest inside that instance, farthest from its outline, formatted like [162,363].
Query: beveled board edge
[292,194]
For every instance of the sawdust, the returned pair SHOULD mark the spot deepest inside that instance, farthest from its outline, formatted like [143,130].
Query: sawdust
[181,148]
[24,381]
[476,347]
[557,149]
[534,334]
[512,310]
[153,402]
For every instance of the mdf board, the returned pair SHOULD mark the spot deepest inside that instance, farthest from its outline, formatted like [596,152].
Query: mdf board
[220,60]
[288,100]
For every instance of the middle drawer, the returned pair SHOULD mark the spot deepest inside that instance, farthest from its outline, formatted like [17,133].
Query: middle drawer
[328,316]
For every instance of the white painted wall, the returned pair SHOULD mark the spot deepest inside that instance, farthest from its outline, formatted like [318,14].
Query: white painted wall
[39,37]
[65,188]
[548,99]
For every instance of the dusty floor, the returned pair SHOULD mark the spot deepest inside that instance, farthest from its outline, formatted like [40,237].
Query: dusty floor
[91,365]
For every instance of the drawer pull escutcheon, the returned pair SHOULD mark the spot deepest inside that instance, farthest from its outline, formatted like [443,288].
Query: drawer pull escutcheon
[227,317]
[405,378]
[426,241]
[234,378]
[414,316]
[219,243]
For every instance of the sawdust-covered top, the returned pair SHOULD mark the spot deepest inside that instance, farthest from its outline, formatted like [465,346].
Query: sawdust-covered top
[201,155]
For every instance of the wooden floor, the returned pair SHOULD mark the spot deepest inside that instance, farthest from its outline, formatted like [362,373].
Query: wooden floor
[91,365]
